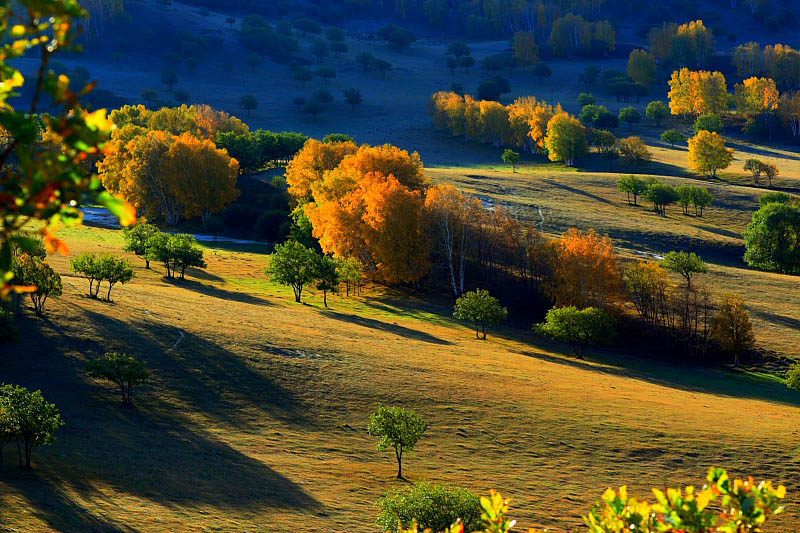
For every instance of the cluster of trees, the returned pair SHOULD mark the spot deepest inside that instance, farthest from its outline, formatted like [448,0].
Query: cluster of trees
[572,35]
[27,420]
[772,238]
[538,127]
[97,269]
[662,194]
[297,266]
[779,62]
[166,163]
[256,150]
[176,252]
[685,45]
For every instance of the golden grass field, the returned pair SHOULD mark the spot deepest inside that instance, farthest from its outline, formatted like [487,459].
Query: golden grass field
[256,419]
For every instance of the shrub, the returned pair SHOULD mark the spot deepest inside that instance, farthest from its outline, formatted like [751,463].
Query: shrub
[121,369]
[577,328]
[27,418]
[775,198]
[793,377]
[430,506]
[397,428]
[481,309]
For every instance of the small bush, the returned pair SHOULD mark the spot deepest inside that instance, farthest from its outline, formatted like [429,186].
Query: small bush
[793,377]
[430,506]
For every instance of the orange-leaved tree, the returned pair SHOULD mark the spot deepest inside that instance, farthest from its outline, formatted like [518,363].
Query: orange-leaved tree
[205,176]
[587,272]
[309,165]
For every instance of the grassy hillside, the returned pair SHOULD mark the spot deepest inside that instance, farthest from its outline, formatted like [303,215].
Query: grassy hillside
[256,416]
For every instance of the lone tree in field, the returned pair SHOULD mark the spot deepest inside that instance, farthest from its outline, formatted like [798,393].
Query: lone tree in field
[326,73]
[481,308]
[113,270]
[292,264]
[397,428]
[673,137]
[632,186]
[772,239]
[732,328]
[326,274]
[707,153]
[630,115]
[121,369]
[656,111]
[590,326]
[633,151]
[511,157]
[352,97]
[685,264]
[248,102]
[29,419]
[136,240]
[34,271]
[757,167]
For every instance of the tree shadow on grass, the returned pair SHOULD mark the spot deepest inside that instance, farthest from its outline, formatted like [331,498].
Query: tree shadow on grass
[160,450]
[217,292]
[578,191]
[787,321]
[682,377]
[395,329]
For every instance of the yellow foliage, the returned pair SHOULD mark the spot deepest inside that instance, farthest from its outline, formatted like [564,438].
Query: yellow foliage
[697,92]
[755,95]
[310,164]
[707,153]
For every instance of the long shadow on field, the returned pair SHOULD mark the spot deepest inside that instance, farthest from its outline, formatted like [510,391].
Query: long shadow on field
[395,329]
[217,292]
[787,321]
[760,151]
[688,378]
[158,450]
[578,191]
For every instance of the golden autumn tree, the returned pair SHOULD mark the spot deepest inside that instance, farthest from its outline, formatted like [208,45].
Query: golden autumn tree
[136,172]
[494,122]
[587,272]
[309,165]
[566,139]
[211,121]
[708,153]
[756,95]
[388,160]
[205,176]
[697,92]
[642,67]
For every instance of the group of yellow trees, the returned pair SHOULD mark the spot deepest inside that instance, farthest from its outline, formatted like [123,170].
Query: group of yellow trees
[528,124]
[166,164]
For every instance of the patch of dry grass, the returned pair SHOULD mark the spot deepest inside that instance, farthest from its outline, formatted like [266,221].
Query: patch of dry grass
[255,420]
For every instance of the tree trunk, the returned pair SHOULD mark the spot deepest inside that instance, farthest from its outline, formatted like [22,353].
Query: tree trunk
[399,455]
[147,264]
[108,296]
[325,298]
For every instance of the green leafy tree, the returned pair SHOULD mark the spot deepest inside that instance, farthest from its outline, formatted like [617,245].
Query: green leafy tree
[772,239]
[177,252]
[511,157]
[326,73]
[249,103]
[661,195]
[585,99]
[708,122]
[292,264]
[775,197]
[458,49]
[793,377]
[429,507]
[397,428]
[86,264]
[684,197]
[480,308]
[122,369]
[29,419]
[397,37]
[700,198]
[656,111]
[630,115]
[136,239]
[365,59]
[632,186]
[566,139]
[685,264]
[351,273]
[326,274]
[303,75]
[589,326]
[35,272]
[673,137]
[352,97]
[113,270]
